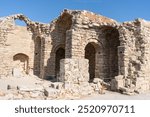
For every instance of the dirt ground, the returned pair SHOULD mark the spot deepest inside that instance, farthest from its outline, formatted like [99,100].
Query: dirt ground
[32,82]
[28,81]
[109,95]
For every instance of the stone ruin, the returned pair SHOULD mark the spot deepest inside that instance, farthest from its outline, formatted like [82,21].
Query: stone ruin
[79,49]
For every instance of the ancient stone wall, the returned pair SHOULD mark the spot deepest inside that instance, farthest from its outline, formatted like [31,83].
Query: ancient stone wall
[134,54]
[142,79]
[104,38]
[56,40]
[17,41]
[115,51]
[74,71]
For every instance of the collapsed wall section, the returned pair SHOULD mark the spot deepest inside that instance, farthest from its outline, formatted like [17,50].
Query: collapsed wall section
[134,52]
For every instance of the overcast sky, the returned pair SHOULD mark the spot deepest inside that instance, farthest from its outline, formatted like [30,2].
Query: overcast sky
[47,10]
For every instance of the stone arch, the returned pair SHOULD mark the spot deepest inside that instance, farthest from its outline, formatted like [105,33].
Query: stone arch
[37,55]
[97,43]
[19,22]
[90,54]
[21,62]
[57,46]
[111,43]
[59,54]
[23,18]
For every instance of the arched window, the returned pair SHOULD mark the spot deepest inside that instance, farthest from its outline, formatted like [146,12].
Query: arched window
[20,22]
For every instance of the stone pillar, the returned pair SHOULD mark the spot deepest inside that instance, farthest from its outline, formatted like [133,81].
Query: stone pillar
[74,71]
[74,44]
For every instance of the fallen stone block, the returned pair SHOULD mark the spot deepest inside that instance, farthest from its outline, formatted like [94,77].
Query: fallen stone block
[127,91]
[97,80]
[117,83]
[30,88]
[16,72]
[139,91]
[57,85]
[114,86]
[51,92]
[36,94]
[46,84]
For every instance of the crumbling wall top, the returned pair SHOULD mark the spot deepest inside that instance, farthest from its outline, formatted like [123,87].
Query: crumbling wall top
[83,17]
[90,15]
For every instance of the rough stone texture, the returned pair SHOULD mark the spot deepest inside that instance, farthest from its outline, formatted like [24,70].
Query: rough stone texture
[74,71]
[112,48]
[117,83]
[49,92]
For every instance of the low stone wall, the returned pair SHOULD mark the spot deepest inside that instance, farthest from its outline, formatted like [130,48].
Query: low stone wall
[75,76]
[74,71]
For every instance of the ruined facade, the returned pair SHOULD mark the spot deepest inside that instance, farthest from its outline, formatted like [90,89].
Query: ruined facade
[77,47]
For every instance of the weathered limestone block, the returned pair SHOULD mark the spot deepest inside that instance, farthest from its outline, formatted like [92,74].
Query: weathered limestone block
[99,85]
[30,88]
[17,73]
[51,92]
[74,73]
[35,94]
[142,85]
[74,70]
[117,83]
[97,80]
[127,91]
[128,83]
[57,85]
[79,89]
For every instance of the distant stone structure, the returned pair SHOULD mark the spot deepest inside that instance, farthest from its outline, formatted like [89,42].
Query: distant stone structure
[76,48]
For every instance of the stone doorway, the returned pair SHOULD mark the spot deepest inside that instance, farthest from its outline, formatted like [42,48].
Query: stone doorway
[60,54]
[90,54]
[21,62]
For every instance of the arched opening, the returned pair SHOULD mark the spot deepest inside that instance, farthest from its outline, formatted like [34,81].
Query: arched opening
[110,53]
[60,54]
[37,56]
[90,55]
[21,62]
[19,22]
